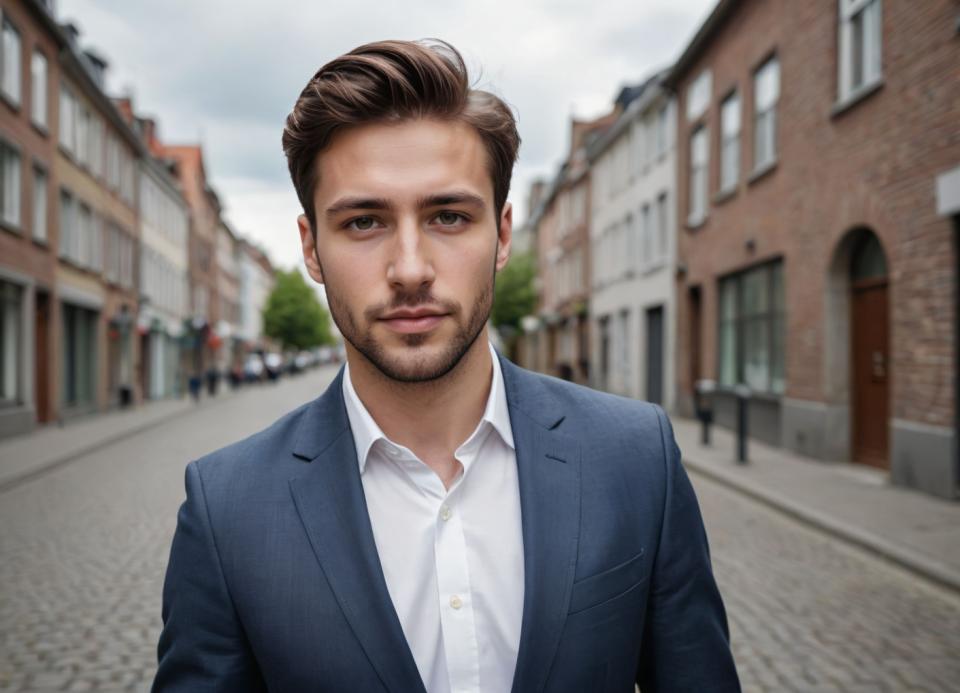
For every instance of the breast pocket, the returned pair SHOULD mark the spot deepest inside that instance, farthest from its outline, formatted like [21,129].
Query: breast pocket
[608,585]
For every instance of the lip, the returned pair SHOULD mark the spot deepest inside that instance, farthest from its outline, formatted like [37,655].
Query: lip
[412,323]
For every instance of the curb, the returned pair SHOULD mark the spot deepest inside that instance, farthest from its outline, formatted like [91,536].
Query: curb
[912,561]
[16,480]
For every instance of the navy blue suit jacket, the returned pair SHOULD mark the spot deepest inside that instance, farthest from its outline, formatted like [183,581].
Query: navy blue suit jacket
[274,582]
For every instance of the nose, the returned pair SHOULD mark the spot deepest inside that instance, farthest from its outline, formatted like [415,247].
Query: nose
[410,266]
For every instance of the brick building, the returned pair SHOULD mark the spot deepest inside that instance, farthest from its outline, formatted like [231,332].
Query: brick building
[815,265]
[204,208]
[68,227]
[560,225]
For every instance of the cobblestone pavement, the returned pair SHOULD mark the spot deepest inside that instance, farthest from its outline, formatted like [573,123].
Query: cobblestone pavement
[808,613]
[83,550]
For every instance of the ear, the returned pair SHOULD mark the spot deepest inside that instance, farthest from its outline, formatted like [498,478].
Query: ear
[309,245]
[504,236]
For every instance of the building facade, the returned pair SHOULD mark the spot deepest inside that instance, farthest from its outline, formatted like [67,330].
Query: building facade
[256,283]
[815,266]
[29,315]
[633,239]
[164,283]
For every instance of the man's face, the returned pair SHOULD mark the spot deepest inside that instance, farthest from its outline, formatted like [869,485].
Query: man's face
[408,243]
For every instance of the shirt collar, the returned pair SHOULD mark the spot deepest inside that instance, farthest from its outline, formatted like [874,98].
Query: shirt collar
[366,432]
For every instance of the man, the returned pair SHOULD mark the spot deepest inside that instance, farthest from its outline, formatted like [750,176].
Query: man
[439,519]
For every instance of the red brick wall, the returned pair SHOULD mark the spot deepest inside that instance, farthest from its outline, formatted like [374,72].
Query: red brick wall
[873,165]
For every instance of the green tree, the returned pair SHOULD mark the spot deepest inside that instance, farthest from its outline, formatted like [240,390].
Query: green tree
[294,315]
[514,295]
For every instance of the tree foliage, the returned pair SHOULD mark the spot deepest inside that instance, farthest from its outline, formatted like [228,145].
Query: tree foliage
[294,315]
[515,295]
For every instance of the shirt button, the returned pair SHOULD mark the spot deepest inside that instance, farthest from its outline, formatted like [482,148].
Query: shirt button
[445,513]
[455,602]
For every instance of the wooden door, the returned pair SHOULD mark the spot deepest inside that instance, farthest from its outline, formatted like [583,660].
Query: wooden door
[871,373]
[42,362]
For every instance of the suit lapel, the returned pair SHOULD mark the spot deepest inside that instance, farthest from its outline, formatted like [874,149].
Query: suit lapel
[548,465]
[330,501]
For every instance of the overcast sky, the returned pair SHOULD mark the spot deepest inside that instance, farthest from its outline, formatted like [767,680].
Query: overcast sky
[227,77]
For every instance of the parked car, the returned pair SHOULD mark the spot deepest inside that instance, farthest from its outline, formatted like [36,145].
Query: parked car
[253,368]
[273,363]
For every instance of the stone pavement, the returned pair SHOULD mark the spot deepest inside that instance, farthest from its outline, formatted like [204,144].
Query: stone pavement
[851,502]
[25,456]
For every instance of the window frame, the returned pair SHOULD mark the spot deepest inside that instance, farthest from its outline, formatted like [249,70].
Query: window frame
[774,317]
[871,60]
[37,88]
[727,139]
[14,99]
[767,113]
[14,222]
[697,215]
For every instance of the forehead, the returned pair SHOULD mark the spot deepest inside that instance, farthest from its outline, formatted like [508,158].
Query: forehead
[404,160]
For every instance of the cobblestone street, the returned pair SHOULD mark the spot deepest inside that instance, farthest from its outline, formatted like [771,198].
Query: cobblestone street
[84,547]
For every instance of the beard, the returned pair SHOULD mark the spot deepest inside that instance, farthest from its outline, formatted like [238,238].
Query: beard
[413,366]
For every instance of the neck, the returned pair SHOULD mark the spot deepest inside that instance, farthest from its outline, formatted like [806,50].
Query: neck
[431,418]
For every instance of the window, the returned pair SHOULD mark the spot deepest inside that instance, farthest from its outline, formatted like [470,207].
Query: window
[730,142]
[646,234]
[624,351]
[69,236]
[11,332]
[39,204]
[10,55]
[860,45]
[9,185]
[698,95]
[38,89]
[663,123]
[113,162]
[751,323]
[68,109]
[699,158]
[84,235]
[766,91]
[82,141]
[79,354]
[662,223]
[95,143]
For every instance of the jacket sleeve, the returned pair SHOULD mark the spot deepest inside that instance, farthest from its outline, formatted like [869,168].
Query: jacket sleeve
[202,646]
[686,643]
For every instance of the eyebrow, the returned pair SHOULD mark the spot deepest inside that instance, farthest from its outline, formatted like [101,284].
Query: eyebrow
[439,200]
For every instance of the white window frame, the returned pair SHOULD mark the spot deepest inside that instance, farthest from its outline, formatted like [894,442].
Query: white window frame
[41,197]
[39,72]
[11,184]
[731,116]
[698,95]
[870,13]
[11,61]
[698,191]
[766,96]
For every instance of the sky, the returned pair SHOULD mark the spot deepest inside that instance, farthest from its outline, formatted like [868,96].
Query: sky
[227,77]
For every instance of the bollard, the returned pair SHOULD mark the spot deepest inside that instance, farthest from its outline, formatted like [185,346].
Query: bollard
[743,400]
[703,403]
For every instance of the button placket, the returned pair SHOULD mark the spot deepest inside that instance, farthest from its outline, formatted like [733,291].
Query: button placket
[458,628]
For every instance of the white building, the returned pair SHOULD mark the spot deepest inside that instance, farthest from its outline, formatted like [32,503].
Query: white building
[256,283]
[163,279]
[633,243]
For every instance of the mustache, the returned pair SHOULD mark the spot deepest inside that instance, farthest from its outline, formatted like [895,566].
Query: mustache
[407,300]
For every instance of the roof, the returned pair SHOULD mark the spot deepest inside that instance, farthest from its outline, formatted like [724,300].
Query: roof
[721,12]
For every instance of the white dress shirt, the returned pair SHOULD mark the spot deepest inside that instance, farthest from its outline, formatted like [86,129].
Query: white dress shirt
[452,560]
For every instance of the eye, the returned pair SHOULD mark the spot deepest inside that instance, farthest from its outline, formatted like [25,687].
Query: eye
[365,223]
[450,219]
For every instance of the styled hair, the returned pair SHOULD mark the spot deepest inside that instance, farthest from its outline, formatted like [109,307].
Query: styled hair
[393,81]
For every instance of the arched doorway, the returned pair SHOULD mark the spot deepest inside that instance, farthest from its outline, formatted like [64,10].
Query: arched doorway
[870,351]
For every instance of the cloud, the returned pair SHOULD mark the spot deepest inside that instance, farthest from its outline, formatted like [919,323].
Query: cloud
[226,75]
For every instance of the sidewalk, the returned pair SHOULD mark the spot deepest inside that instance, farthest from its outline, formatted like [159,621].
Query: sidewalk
[854,503]
[27,456]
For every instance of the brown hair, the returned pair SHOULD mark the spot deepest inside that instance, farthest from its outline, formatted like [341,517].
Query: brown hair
[391,81]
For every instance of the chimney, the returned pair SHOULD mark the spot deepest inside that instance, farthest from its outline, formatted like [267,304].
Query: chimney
[72,31]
